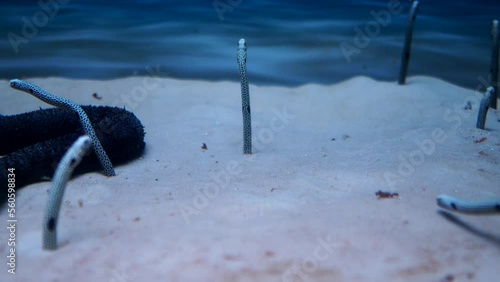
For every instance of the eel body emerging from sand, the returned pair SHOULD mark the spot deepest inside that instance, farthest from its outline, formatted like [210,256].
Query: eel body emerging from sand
[489,206]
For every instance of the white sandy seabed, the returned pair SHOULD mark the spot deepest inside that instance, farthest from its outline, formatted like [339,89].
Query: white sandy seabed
[301,208]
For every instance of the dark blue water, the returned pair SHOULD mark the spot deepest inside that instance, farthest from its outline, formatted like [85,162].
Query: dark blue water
[289,42]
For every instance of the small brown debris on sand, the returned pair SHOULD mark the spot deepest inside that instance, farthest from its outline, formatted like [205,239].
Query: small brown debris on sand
[95,95]
[481,140]
[385,195]
[448,278]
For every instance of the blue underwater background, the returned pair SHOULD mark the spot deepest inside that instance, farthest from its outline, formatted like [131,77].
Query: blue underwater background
[289,42]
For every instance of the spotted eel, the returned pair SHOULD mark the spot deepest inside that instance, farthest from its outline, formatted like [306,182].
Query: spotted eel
[65,168]
[67,104]
[489,206]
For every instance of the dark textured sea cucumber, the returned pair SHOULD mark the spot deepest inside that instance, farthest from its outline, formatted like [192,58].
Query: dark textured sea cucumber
[33,143]
[65,103]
